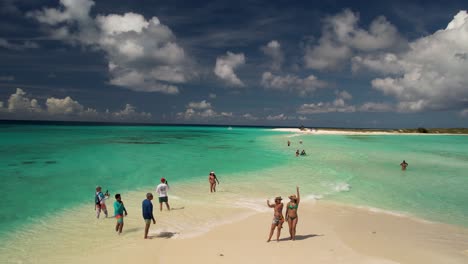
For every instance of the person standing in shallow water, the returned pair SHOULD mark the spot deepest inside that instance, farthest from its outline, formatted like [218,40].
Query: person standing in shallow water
[147,209]
[161,189]
[119,210]
[291,213]
[403,165]
[100,201]
[213,180]
[278,218]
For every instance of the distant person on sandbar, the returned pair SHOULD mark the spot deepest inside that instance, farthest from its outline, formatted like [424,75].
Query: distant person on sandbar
[119,210]
[278,218]
[291,213]
[161,189]
[100,201]
[213,180]
[289,143]
[403,165]
[303,153]
[147,209]
[297,153]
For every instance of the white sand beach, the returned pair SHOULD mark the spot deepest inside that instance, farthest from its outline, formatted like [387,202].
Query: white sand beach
[327,233]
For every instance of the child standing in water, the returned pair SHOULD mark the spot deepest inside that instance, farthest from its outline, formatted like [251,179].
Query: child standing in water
[119,210]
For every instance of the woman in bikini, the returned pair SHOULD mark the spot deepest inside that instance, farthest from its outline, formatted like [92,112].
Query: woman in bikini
[278,218]
[213,180]
[291,213]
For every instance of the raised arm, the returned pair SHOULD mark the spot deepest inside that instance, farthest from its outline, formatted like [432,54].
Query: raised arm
[298,197]
[270,205]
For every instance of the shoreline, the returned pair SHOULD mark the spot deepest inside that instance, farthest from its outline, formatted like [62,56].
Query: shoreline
[331,232]
[320,131]
[327,232]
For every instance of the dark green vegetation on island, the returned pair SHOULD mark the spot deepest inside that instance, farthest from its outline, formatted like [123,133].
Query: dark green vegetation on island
[419,130]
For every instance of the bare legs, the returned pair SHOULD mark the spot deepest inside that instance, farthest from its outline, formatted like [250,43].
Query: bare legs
[212,187]
[98,210]
[147,226]
[292,228]
[272,230]
[119,227]
[167,206]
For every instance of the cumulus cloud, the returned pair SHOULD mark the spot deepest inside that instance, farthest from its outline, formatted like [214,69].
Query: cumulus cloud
[130,113]
[249,116]
[18,46]
[292,83]
[199,105]
[143,54]
[376,107]
[19,102]
[277,117]
[338,105]
[225,66]
[202,110]
[63,106]
[20,105]
[431,75]
[273,50]
[342,37]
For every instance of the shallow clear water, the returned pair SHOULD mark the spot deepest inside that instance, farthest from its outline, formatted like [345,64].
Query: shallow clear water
[49,173]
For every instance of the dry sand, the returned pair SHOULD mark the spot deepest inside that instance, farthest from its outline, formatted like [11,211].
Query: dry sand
[326,233]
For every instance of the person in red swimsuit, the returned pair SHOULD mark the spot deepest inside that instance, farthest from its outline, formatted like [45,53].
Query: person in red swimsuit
[213,180]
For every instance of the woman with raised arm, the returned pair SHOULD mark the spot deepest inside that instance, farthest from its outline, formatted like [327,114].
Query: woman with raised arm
[291,213]
[278,218]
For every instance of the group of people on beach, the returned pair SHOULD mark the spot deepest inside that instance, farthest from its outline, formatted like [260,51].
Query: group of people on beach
[290,216]
[147,206]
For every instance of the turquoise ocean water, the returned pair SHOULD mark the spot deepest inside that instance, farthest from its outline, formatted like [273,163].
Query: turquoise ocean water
[47,169]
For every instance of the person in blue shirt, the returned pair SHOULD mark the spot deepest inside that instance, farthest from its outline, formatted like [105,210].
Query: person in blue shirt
[119,210]
[147,208]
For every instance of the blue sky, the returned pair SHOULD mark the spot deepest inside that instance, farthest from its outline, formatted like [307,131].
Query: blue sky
[279,63]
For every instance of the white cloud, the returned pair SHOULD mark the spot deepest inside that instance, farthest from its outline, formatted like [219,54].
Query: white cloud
[225,66]
[431,74]
[249,116]
[212,96]
[273,50]
[291,82]
[18,102]
[375,107]
[21,106]
[130,113]
[7,78]
[341,38]
[199,105]
[277,117]
[63,106]
[142,54]
[18,46]
[338,105]
[202,110]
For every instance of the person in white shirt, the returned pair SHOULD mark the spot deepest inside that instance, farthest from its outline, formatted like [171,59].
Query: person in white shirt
[162,189]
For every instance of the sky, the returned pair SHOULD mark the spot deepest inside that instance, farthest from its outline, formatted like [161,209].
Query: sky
[370,64]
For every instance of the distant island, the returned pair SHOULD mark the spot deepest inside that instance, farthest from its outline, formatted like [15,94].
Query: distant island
[378,131]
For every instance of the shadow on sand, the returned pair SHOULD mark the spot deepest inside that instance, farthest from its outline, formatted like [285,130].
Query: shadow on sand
[300,237]
[164,235]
